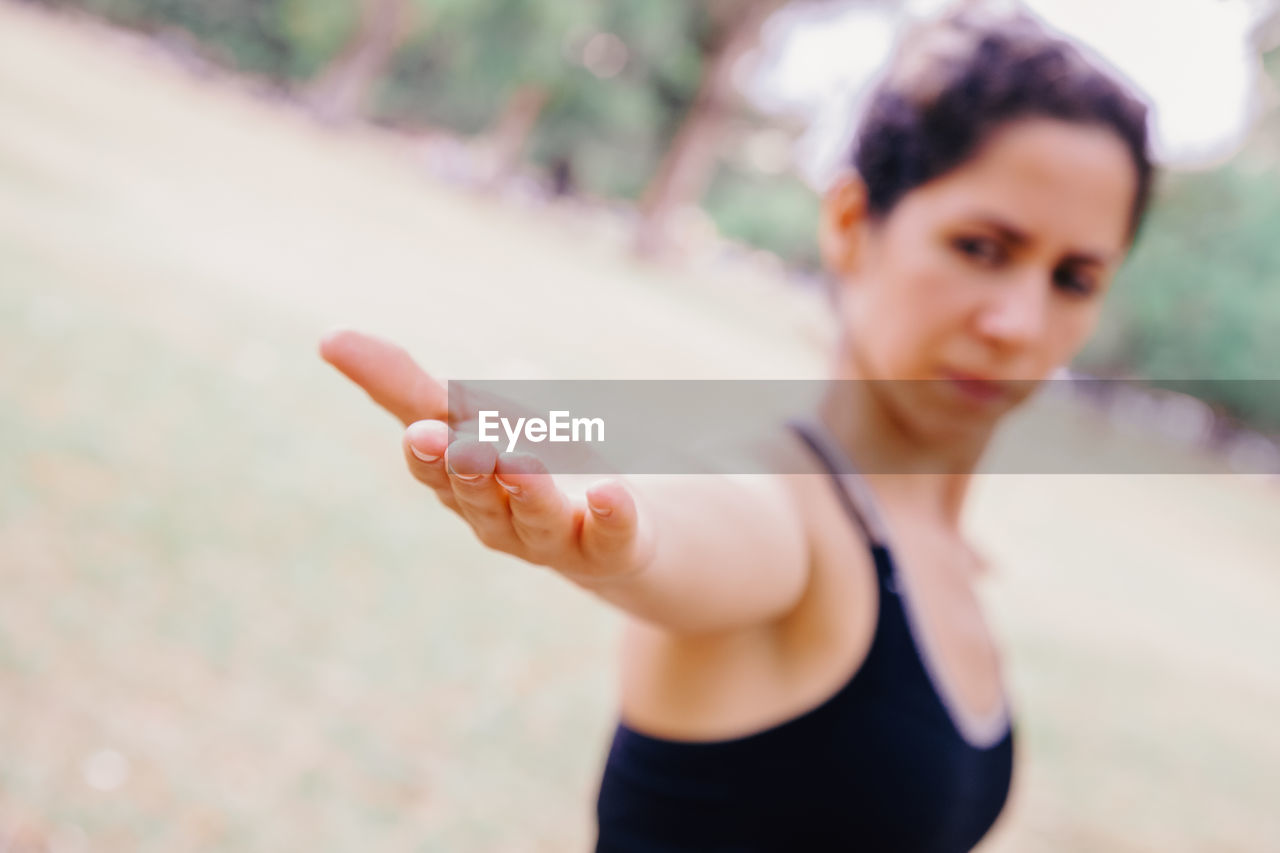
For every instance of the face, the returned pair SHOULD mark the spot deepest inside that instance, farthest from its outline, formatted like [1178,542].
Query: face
[986,279]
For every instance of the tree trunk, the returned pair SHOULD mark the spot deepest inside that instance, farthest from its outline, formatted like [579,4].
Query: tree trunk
[510,133]
[687,165]
[341,92]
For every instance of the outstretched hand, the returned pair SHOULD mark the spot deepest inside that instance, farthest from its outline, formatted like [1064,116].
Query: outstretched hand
[509,499]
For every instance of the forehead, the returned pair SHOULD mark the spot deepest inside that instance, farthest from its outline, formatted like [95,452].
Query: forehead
[1069,185]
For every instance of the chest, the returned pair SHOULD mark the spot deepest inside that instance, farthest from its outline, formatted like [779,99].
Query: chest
[933,590]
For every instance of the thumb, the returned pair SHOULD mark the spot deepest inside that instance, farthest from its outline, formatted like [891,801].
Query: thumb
[614,531]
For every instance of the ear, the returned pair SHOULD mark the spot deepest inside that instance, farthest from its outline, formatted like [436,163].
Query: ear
[844,215]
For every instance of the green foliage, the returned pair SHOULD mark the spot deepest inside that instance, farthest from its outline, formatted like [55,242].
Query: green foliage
[1200,296]
[462,59]
[466,59]
[608,129]
[775,213]
[250,35]
[316,32]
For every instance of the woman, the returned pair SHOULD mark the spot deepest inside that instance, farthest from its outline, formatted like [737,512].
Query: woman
[808,668]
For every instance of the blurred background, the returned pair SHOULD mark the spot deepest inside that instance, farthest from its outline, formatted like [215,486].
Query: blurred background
[230,621]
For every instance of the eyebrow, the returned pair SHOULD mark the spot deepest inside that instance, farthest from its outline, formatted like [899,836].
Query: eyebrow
[1018,237]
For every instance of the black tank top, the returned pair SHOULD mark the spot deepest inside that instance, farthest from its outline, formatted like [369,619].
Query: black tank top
[882,765]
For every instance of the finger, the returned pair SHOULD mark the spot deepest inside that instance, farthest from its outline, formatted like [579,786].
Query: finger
[542,515]
[482,502]
[425,443]
[609,528]
[387,374]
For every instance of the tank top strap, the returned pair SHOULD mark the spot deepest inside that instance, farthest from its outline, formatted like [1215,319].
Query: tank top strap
[854,493]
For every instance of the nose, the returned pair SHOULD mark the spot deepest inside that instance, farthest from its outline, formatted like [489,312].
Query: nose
[1014,316]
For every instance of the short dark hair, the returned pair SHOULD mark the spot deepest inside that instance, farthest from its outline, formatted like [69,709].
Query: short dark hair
[957,79]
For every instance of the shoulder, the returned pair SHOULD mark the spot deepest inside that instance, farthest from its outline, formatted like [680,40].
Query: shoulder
[774,460]
[781,472]
[799,481]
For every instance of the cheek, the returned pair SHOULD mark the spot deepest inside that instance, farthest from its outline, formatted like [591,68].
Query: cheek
[931,300]
[914,302]
[908,308]
[1074,330]
[906,325]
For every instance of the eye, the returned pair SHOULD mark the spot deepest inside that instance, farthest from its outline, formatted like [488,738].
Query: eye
[984,250]
[1074,281]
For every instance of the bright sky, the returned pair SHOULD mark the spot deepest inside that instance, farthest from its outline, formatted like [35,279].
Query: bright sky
[1190,58]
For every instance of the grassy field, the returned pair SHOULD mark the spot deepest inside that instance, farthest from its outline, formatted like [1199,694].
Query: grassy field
[230,622]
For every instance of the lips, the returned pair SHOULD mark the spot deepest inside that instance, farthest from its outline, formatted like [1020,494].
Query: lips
[976,388]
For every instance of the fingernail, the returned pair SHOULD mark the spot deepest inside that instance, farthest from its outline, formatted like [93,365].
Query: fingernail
[602,511]
[425,457]
[512,488]
[466,478]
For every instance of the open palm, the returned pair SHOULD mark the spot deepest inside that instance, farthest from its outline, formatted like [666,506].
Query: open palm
[510,500]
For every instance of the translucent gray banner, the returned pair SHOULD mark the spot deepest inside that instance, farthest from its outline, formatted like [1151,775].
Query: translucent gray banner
[1059,426]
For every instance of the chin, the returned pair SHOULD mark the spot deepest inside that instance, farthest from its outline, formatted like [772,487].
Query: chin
[932,413]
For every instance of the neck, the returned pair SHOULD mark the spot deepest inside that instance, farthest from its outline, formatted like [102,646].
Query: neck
[929,473]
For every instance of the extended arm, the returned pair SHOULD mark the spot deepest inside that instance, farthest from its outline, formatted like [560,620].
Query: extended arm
[692,553]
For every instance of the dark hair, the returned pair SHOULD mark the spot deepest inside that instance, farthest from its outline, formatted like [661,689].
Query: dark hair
[955,80]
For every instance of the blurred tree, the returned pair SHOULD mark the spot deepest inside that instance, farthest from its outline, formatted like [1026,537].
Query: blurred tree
[1264,144]
[509,136]
[244,34]
[316,31]
[487,68]
[1199,298]
[629,75]
[342,90]
[600,85]
[776,212]
[629,94]
[731,28]
[282,40]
